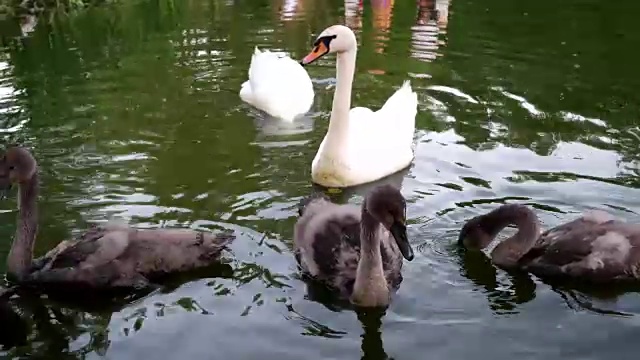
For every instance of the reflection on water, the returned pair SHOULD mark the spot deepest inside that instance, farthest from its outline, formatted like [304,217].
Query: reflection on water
[429,32]
[353,14]
[132,111]
[292,10]
[28,24]
[382,16]
[14,330]
[504,295]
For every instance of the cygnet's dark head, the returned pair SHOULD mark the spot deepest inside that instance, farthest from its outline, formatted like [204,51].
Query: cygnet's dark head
[477,233]
[480,231]
[386,204]
[17,165]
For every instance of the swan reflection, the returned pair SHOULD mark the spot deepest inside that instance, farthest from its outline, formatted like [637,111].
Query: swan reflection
[343,195]
[503,296]
[371,345]
[55,324]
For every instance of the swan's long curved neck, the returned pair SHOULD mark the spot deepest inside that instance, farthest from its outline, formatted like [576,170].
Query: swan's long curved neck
[370,288]
[339,122]
[508,252]
[21,253]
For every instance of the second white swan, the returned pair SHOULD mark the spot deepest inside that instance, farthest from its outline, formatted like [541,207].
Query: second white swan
[277,85]
[361,145]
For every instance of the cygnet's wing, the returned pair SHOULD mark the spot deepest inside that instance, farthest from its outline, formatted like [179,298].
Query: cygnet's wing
[97,246]
[327,240]
[589,249]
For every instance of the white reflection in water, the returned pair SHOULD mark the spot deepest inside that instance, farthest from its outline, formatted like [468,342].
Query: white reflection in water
[353,13]
[569,116]
[292,10]
[453,91]
[427,35]
[532,109]
[8,100]
[28,24]
[268,125]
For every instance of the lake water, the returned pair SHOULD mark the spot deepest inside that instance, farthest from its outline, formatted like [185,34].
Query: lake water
[132,111]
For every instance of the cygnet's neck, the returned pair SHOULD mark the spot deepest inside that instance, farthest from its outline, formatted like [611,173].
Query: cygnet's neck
[21,253]
[370,288]
[508,252]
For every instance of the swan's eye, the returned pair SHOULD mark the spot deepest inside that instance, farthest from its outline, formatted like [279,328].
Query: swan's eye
[324,40]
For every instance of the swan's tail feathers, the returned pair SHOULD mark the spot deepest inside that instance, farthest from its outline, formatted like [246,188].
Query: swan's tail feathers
[403,100]
[406,88]
[306,201]
[246,93]
[254,56]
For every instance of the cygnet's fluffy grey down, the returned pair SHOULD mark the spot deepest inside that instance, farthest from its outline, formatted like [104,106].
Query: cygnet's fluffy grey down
[595,247]
[357,251]
[111,256]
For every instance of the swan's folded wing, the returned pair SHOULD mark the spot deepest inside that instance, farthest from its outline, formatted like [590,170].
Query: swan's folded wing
[587,248]
[581,226]
[566,243]
[269,70]
[403,99]
[182,238]
[321,237]
[96,247]
[261,70]
[572,247]
[392,125]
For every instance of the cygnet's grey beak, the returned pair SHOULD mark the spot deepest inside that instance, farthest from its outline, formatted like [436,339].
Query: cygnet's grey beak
[399,232]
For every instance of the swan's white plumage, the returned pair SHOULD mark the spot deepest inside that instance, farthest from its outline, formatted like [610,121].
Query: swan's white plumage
[377,143]
[361,145]
[277,85]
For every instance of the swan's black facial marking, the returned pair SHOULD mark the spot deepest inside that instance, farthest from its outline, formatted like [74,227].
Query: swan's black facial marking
[326,40]
[321,47]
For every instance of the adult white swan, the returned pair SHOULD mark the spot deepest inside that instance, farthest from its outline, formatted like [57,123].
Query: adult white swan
[277,85]
[360,145]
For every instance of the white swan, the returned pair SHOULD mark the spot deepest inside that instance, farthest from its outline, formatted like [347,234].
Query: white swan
[360,145]
[277,85]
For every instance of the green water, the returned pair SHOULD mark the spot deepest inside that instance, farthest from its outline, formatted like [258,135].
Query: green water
[132,111]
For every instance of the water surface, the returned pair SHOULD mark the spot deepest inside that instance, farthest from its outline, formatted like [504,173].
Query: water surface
[133,112]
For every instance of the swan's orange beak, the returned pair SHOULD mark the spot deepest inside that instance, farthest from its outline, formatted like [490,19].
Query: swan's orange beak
[318,51]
